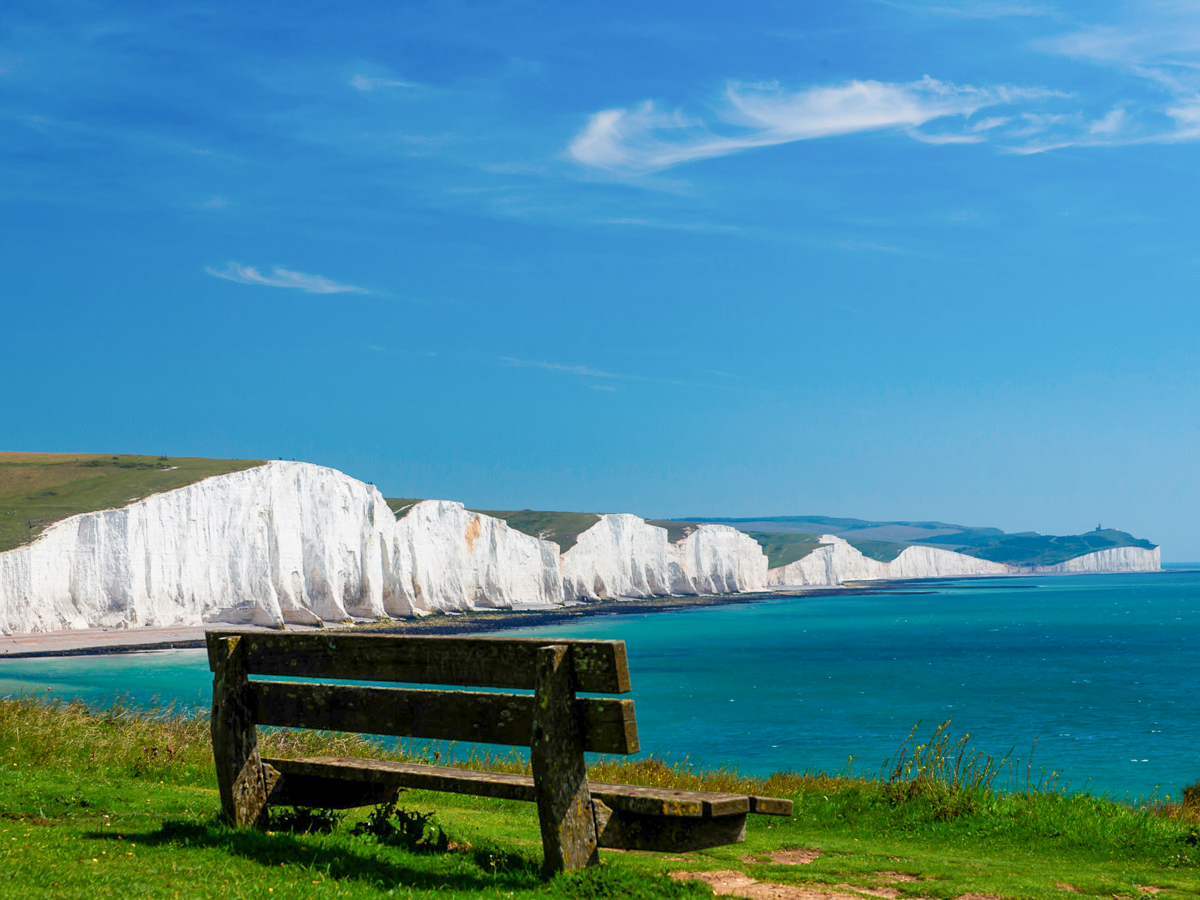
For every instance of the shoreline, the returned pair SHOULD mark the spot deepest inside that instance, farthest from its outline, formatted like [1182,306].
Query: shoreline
[105,641]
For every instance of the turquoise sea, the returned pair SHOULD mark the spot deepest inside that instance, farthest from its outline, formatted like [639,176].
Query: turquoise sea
[1104,671]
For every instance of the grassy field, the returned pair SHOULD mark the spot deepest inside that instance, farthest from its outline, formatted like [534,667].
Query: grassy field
[38,489]
[114,804]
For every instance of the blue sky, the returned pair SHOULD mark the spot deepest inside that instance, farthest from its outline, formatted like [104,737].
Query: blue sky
[926,260]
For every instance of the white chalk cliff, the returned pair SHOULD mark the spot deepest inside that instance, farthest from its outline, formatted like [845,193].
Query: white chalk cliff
[836,562]
[291,542]
[624,557]
[1117,559]
[281,543]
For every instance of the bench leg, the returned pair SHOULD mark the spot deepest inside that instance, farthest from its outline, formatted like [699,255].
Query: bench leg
[240,777]
[559,770]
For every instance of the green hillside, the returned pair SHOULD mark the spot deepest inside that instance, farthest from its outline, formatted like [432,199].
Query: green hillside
[1033,549]
[677,529]
[563,528]
[884,541]
[883,551]
[782,549]
[38,489]
[401,506]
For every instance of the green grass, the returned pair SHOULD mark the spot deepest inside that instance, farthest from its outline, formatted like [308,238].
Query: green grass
[38,489]
[113,803]
[401,506]
[1031,549]
[884,551]
[677,530]
[563,528]
[782,549]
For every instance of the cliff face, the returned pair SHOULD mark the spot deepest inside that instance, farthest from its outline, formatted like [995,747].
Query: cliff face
[444,557]
[296,543]
[623,556]
[1118,559]
[836,562]
[284,542]
[719,559]
[933,562]
[292,542]
[619,556]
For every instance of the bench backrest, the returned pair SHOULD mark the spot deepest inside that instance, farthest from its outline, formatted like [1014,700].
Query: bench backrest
[605,725]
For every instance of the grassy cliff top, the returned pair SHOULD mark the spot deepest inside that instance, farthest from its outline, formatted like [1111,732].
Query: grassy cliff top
[782,549]
[563,528]
[401,506]
[38,489]
[1033,549]
[1027,549]
[884,541]
[677,529]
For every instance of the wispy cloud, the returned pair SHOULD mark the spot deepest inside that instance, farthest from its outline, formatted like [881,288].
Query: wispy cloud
[1162,48]
[284,278]
[646,139]
[604,381]
[556,367]
[976,9]
[368,83]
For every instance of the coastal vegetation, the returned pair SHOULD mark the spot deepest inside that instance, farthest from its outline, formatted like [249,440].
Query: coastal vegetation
[117,802]
[1033,549]
[401,506]
[39,489]
[782,549]
[884,541]
[563,528]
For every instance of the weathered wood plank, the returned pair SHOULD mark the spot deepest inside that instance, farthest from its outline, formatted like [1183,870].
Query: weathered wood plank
[499,785]
[770,806]
[240,778]
[328,793]
[665,802]
[559,769]
[608,726]
[598,666]
[630,798]
[670,834]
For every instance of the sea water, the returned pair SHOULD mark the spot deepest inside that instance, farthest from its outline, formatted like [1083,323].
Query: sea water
[1103,671]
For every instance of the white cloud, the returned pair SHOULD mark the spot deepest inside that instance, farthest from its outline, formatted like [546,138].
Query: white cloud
[556,367]
[217,202]
[1187,120]
[976,9]
[1112,123]
[645,139]
[1161,46]
[284,278]
[368,83]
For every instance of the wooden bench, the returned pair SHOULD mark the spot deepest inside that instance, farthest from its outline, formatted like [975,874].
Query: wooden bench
[576,816]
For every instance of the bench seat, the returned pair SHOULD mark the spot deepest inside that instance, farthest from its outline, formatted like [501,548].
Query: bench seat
[632,817]
[558,726]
